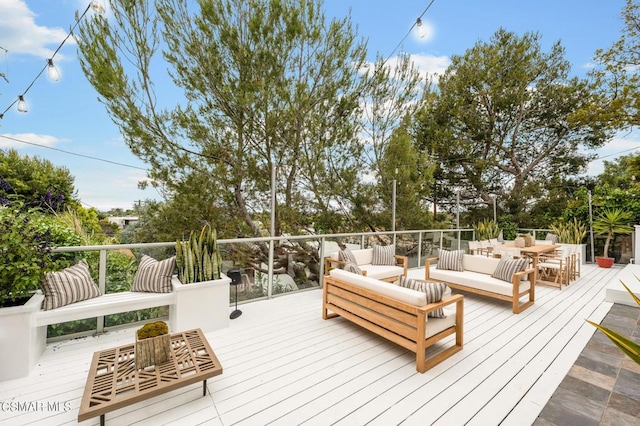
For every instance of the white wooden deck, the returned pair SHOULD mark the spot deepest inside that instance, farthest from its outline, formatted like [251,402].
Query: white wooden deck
[284,365]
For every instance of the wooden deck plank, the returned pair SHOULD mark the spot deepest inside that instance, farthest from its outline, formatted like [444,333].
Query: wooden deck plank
[285,365]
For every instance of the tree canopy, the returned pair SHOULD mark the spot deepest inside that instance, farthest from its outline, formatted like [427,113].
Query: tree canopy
[501,122]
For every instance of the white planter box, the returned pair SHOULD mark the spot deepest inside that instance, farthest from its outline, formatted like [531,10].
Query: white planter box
[21,342]
[203,305]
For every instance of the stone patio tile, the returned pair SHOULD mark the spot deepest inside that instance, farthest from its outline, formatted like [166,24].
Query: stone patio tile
[628,364]
[568,408]
[625,311]
[596,379]
[610,359]
[627,384]
[613,417]
[585,389]
[625,404]
[597,366]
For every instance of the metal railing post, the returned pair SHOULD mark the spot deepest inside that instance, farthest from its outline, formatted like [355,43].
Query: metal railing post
[102,280]
[419,249]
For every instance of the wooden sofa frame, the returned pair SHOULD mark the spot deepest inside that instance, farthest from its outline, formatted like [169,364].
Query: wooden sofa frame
[400,260]
[514,298]
[397,321]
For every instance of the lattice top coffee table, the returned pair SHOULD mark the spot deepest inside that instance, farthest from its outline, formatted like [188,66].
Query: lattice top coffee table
[114,382]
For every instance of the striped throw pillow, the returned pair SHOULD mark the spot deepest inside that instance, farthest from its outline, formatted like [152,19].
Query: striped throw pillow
[507,267]
[70,285]
[450,260]
[352,267]
[154,276]
[384,255]
[433,291]
[345,255]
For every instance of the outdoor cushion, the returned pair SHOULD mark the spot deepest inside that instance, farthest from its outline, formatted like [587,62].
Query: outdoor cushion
[478,280]
[154,276]
[433,290]
[353,268]
[384,255]
[382,271]
[70,285]
[482,264]
[345,255]
[450,260]
[412,297]
[507,267]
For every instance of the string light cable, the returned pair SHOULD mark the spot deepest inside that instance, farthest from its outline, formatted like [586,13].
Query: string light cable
[49,65]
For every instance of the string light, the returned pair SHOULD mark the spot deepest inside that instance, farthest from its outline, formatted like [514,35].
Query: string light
[422,29]
[53,72]
[22,105]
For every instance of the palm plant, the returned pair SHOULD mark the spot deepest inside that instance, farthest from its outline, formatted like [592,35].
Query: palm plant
[610,222]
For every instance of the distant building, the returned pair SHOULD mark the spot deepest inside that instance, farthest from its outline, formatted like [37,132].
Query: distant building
[123,221]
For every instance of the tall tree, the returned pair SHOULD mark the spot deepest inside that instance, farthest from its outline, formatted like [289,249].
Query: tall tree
[618,77]
[502,121]
[259,85]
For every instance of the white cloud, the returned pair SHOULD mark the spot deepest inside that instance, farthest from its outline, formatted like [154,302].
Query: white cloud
[25,140]
[430,66]
[621,144]
[20,34]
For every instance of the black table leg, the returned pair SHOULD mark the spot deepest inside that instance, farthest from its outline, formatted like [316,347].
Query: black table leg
[204,387]
[101,419]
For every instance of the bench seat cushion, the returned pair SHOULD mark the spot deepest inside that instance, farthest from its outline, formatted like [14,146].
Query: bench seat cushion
[406,295]
[381,272]
[477,280]
[106,304]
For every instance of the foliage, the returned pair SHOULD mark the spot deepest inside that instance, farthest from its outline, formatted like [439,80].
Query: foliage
[626,345]
[26,239]
[617,77]
[610,222]
[198,259]
[152,329]
[486,230]
[569,232]
[265,85]
[501,122]
[36,182]
[509,229]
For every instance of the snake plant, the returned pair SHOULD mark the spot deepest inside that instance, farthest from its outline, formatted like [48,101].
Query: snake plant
[198,259]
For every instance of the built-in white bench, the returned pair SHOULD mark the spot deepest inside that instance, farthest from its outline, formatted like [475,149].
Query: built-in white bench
[24,328]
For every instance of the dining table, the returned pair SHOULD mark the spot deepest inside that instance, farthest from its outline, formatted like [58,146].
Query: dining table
[533,252]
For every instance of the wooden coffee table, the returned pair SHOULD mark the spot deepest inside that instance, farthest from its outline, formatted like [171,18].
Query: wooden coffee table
[114,382]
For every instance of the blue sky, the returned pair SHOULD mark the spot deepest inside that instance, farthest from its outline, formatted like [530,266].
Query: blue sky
[67,116]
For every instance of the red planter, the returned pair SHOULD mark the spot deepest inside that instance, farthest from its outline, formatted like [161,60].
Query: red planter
[604,262]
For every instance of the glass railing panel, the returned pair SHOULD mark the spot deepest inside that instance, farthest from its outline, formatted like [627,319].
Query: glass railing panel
[407,245]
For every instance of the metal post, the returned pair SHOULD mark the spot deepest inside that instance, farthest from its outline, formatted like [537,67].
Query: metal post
[495,215]
[458,216]
[272,230]
[393,210]
[591,228]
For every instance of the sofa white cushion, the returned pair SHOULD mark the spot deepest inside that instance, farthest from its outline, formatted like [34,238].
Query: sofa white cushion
[477,280]
[484,265]
[363,256]
[382,271]
[436,325]
[406,295]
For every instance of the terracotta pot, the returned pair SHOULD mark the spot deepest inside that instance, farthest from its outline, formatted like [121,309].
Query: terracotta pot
[604,262]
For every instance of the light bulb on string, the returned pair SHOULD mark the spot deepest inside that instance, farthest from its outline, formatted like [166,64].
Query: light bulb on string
[52,71]
[422,29]
[22,105]
[97,7]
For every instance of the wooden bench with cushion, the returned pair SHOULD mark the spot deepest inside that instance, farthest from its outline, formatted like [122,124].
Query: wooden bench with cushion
[364,258]
[396,313]
[477,276]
